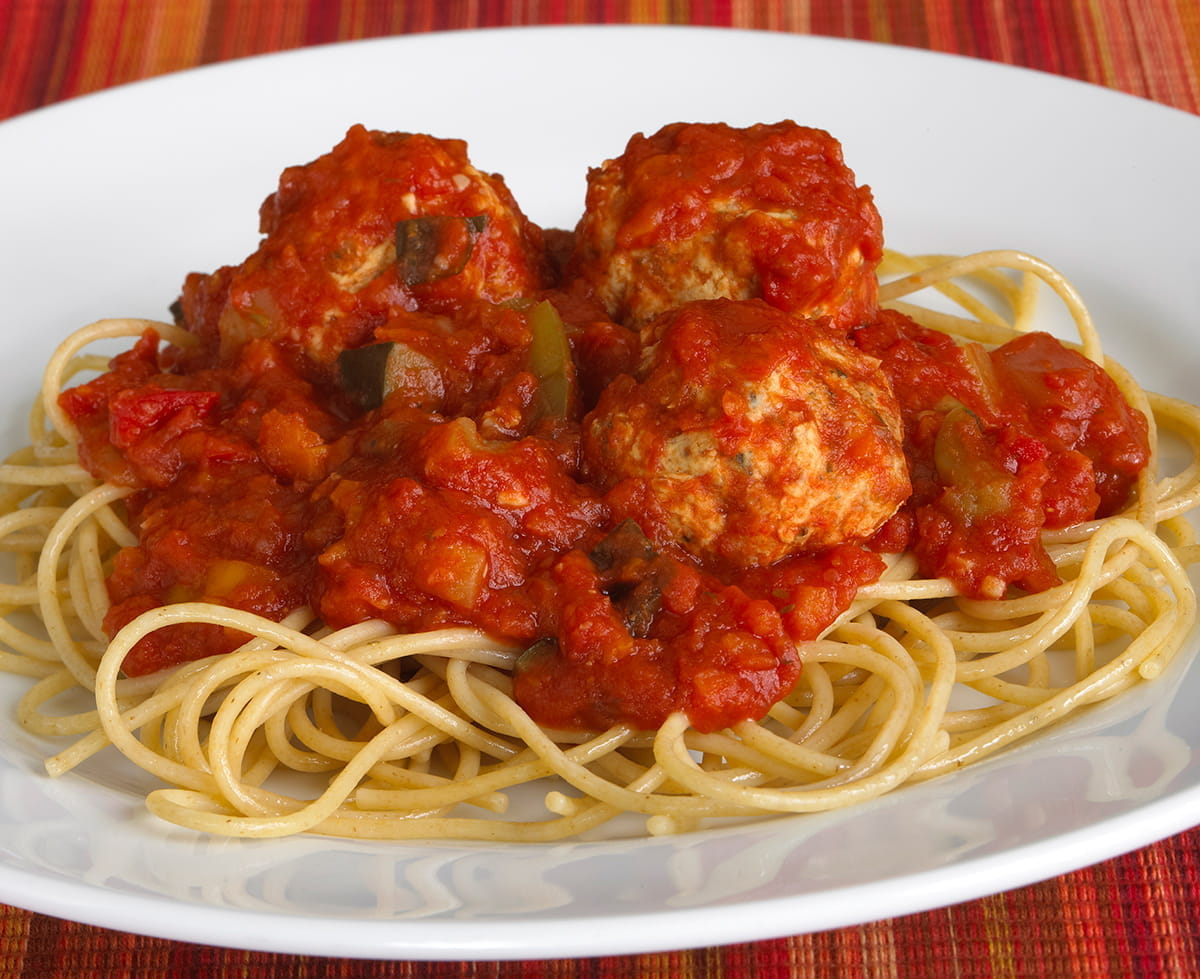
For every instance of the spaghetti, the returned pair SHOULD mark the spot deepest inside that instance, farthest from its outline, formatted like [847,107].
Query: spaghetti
[364,731]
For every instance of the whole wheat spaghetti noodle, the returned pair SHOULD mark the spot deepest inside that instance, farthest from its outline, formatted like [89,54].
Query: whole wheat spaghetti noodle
[368,733]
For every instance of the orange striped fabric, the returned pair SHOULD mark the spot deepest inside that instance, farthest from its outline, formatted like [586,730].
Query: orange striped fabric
[1136,915]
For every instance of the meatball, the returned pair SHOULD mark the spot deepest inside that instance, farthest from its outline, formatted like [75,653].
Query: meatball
[383,222]
[708,211]
[749,435]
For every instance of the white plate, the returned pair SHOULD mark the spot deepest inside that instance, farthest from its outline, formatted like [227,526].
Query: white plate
[108,200]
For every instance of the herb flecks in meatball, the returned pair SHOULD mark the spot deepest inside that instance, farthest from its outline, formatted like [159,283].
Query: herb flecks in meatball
[709,211]
[749,435]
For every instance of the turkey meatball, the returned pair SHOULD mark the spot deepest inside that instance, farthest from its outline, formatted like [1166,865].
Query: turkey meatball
[383,222]
[707,211]
[749,435]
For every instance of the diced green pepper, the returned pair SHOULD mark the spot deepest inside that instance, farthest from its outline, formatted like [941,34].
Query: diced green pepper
[550,360]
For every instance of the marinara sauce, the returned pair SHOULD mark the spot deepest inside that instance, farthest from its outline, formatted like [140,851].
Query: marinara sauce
[1001,444]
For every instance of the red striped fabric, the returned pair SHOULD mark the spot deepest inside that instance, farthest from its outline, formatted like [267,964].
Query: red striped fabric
[1136,915]
[55,49]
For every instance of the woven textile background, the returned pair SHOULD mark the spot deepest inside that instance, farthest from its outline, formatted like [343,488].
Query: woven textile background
[54,49]
[1135,915]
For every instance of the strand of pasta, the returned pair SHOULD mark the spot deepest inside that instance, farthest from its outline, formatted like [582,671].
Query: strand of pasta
[73,655]
[1165,632]
[208,814]
[926,739]
[957,268]
[1019,297]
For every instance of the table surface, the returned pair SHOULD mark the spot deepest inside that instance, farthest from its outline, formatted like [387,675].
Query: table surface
[1133,915]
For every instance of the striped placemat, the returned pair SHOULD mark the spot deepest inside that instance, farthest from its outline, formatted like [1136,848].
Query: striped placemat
[1136,915]
[54,49]
[1133,916]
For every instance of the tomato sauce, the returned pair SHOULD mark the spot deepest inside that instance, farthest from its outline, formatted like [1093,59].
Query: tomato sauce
[1002,444]
[444,483]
